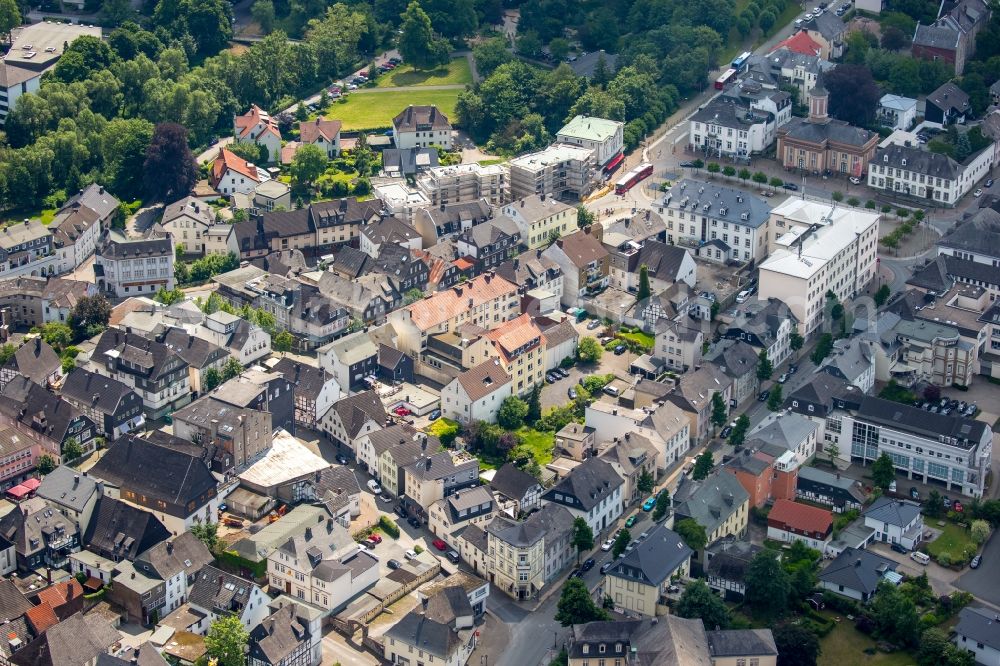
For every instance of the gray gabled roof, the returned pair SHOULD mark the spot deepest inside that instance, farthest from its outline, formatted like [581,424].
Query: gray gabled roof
[589,484]
[709,502]
[511,481]
[787,430]
[431,636]
[892,511]
[980,233]
[980,625]
[741,643]
[737,202]
[68,487]
[916,160]
[551,521]
[654,559]
[859,570]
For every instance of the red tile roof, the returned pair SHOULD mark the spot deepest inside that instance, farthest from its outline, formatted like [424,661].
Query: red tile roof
[41,618]
[61,593]
[449,303]
[228,160]
[802,43]
[255,116]
[514,334]
[801,517]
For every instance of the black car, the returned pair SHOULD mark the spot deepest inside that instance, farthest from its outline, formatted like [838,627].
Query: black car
[899,548]
[725,432]
[588,564]
[341,458]
[413,521]
[764,395]
[562,373]
[976,561]
[989,182]
[620,349]
[393,564]
[576,573]
[791,186]
[792,369]
[689,164]
[400,511]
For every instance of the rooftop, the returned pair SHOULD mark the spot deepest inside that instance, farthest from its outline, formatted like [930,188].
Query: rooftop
[590,128]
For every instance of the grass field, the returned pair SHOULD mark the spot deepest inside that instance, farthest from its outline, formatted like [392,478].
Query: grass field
[539,442]
[457,72]
[846,645]
[375,110]
[954,540]
[644,339]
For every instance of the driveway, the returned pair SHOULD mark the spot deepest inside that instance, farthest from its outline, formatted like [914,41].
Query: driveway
[982,582]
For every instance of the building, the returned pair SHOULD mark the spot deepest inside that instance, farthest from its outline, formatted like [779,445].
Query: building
[977,632]
[264,391]
[30,411]
[442,629]
[119,531]
[235,436]
[73,495]
[519,346]
[604,137]
[41,537]
[422,127]
[819,143]
[947,105]
[765,325]
[78,640]
[976,239]
[174,564]
[434,476]
[27,249]
[723,223]
[231,174]
[694,394]
[818,249]
[349,359]
[388,231]
[188,221]
[739,361]
[718,503]
[794,63]
[896,112]
[928,177]
[113,407]
[853,361]
[727,563]
[541,219]
[525,557]
[739,123]
[34,301]
[291,635]
[353,416]
[585,264]
[952,37]
[638,581]
[323,133]
[476,394]
[559,171]
[257,127]
[315,390]
[79,223]
[456,184]
[134,267]
[490,244]
[200,355]
[216,593]
[444,221]
[856,574]
[592,491]
[408,162]
[895,521]
[34,360]
[792,433]
[790,521]
[472,506]
[516,492]
[842,494]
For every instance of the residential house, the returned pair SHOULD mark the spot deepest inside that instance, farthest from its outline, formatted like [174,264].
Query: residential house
[632,458]
[558,171]
[518,345]
[257,127]
[372,446]
[408,162]
[976,632]
[114,408]
[246,342]
[790,521]
[765,326]
[577,441]
[352,417]
[323,133]
[852,360]
[472,506]
[728,560]
[592,491]
[952,37]
[188,221]
[856,574]
[234,437]
[176,486]
[922,175]
[290,636]
[947,105]
[638,580]
[315,390]
[739,361]
[896,112]
[676,346]
[119,531]
[393,365]
[727,127]
[79,640]
[444,221]
[476,394]
[72,494]
[436,476]
[341,220]
[517,492]
[756,473]
[718,503]
[694,396]
[604,137]
[524,557]
[263,391]
[792,432]
[234,175]
[561,341]
[800,43]
[541,219]
[442,629]
[840,493]
[42,536]
[827,29]
[31,412]
[585,264]
[665,265]
[200,355]
[456,184]
[216,594]
[79,223]
[34,301]
[895,521]
[390,465]
[388,231]
[134,267]
[27,249]
[490,244]
[975,240]
[174,563]
[34,360]
[422,127]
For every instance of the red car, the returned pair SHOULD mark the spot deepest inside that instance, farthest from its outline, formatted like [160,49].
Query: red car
[374,538]
[957,506]
[401,411]
[440,545]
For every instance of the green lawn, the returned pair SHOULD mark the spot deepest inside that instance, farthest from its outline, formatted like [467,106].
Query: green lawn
[953,542]
[846,645]
[375,110]
[456,72]
[539,442]
[644,339]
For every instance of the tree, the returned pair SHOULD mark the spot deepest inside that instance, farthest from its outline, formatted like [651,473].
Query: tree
[232,368]
[416,41]
[883,472]
[227,641]
[833,451]
[45,464]
[662,504]
[512,413]
[719,409]
[57,335]
[776,182]
[739,433]
[882,295]
[169,170]
[212,379]
[692,533]
[837,196]
[89,316]
[744,174]
[622,540]
[698,601]
[854,95]
[576,606]
[412,296]
[644,291]
[797,646]
[646,482]
[490,54]
[713,167]
[169,297]
[262,12]
[559,48]
[309,163]
[895,615]
[583,537]
[979,531]
[764,367]
[775,400]
[251,152]
[933,646]
[207,533]
[795,341]
[729,171]
[760,178]
[71,449]
[822,349]
[10,17]
[589,351]
[767,585]
[534,404]
[702,466]
[584,218]
[283,342]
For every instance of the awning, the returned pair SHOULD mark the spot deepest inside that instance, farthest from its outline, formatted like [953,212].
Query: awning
[18,491]
[31,484]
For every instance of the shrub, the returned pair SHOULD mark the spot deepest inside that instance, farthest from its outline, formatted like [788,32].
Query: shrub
[902,212]
[388,526]
[418,549]
[841,604]
[871,204]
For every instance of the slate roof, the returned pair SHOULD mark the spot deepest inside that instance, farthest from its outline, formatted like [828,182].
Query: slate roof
[981,234]
[892,511]
[22,400]
[432,637]
[116,248]
[389,230]
[653,559]
[663,261]
[936,36]
[278,635]
[287,223]
[729,558]
[35,360]
[918,161]
[850,359]
[949,97]
[196,352]
[150,356]
[964,433]
[827,24]
[728,113]
[551,521]
[735,357]
[26,525]
[309,380]
[13,604]
[589,484]
[859,570]
[76,641]
[448,604]
[216,590]
[438,466]
[348,262]
[979,625]
[711,501]
[156,471]
[68,487]
[168,558]
[408,161]
[512,482]
[741,643]
[832,130]
[96,391]
[417,117]
[490,231]
[822,389]
[120,531]
[737,202]
[668,640]
[355,410]
[787,430]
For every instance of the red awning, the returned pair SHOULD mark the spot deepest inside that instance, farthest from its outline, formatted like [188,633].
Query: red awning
[18,491]
[615,161]
[31,484]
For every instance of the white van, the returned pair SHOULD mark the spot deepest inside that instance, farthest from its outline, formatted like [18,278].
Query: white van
[374,487]
[743,295]
[921,558]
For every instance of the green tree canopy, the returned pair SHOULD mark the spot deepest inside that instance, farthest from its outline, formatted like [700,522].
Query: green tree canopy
[227,641]
[692,533]
[588,350]
[309,163]
[698,601]
[739,433]
[767,585]
[776,399]
[703,465]
[662,504]
[583,536]
[622,540]
[89,316]
[797,646]
[644,290]
[895,616]
[720,411]
[417,42]
[646,481]
[764,367]
[512,412]
[576,605]
[883,472]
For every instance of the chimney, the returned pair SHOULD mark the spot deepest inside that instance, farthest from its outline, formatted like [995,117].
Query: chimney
[170,548]
[309,533]
[76,481]
[427,464]
[100,189]
[38,344]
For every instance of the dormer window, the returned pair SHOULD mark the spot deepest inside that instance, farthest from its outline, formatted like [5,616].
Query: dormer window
[601,648]
[885,158]
[904,161]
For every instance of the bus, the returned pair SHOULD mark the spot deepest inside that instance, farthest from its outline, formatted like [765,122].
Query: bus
[725,79]
[629,180]
[741,60]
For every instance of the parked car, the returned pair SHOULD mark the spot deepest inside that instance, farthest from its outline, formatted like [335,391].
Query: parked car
[549,378]
[341,458]
[410,554]
[783,378]
[620,349]
[399,511]
[588,564]
[978,192]
[688,164]
[791,186]
[562,373]
[957,507]
[989,182]
[594,323]
[385,497]
[606,566]
[610,390]
[899,548]
[855,180]
[571,392]
[914,493]
[374,487]
[435,415]
[440,545]
[375,538]
[725,432]
[394,564]
[453,556]
[607,545]
[649,504]
[792,369]
[764,395]
[631,520]
[415,522]
[976,561]
[946,501]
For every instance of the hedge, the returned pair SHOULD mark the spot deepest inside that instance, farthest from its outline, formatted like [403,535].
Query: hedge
[235,562]
[389,527]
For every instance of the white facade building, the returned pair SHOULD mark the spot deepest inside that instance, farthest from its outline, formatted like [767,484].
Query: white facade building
[604,137]
[922,174]
[135,267]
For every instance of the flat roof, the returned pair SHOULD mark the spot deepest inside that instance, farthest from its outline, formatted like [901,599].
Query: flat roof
[559,152]
[45,40]
[590,128]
